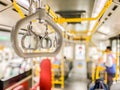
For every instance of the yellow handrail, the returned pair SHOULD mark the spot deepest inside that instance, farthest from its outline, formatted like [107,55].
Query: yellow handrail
[17,8]
[61,79]
[93,74]
[107,4]
[62,20]
[99,68]
[51,12]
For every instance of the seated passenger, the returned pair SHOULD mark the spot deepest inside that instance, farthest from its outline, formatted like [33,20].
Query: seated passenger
[99,85]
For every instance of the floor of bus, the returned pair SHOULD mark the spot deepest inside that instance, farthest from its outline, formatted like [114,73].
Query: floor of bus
[116,86]
[75,82]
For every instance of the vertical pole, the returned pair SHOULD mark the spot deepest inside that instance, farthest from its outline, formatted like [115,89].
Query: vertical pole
[53,86]
[117,55]
[32,73]
[74,53]
[105,77]
[62,67]
[87,55]
[87,50]
[93,74]
[97,72]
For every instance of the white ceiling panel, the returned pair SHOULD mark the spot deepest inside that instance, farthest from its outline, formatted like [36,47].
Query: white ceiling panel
[99,36]
[110,22]
[68,5]
[9,17]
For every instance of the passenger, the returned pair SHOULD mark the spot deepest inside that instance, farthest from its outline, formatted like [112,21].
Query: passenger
[99,85]
[66,67]
[110,64]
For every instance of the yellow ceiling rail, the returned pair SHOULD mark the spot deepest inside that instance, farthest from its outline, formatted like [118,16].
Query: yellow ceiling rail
[17,8]
[51,12]
[88,38]
[62,20]
[81,38]
[95,26]
[108,3]
[73,31]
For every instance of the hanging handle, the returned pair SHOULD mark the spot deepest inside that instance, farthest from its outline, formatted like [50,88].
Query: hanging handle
[41,13]
[29,48]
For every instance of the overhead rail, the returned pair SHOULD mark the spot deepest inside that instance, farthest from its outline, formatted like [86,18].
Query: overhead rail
[62,20]
[51,12]
[18,9]
[94,28]
[107,4]
[48,9]
[20,12]
[40,14]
